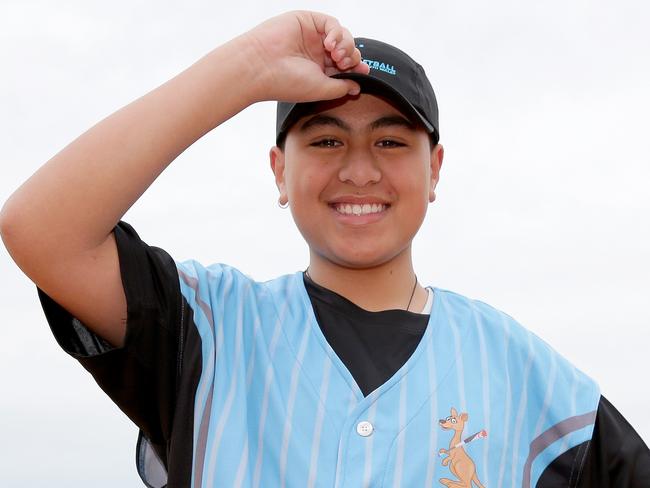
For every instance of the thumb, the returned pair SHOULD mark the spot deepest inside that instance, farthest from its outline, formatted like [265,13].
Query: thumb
[333,88]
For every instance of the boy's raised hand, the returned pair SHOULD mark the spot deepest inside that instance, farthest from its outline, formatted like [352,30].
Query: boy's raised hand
[296,52]
[69,249]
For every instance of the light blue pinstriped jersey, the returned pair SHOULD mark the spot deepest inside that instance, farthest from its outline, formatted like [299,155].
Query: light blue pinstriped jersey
[276,407]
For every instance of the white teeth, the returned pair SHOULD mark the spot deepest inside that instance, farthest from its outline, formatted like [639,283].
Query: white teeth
[357,209]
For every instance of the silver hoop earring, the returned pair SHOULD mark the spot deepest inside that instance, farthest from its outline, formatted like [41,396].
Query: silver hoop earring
[281,205]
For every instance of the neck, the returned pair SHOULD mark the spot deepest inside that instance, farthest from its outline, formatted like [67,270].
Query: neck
[456,439]
[383,287]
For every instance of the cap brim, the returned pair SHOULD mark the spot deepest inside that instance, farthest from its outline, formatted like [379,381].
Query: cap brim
[376,86]
[368,84]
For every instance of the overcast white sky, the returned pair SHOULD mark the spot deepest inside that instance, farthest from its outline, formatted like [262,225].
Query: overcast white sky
[542,208]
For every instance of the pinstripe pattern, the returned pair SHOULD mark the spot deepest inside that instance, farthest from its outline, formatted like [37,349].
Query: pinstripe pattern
[339,462]
[251,359]
[367,465]
[547,397]
[225,413]
[572,396]
[206,386]
[523,399]
[241,469]
[505,448]
[265,402]
[292,399]
[318,426]
[401,437]
[485,380]
[433,412]
[275,406]
[352,402]
[460,370]
[262,424]
[351,405]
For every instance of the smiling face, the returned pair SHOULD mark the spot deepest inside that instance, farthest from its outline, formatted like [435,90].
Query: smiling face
[358,176]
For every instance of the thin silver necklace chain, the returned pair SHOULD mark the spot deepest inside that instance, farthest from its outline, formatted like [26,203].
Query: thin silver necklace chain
[408,306]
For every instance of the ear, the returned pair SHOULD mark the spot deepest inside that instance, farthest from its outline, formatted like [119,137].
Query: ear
[276,157]
[464,417]
[454,413]
[437,154]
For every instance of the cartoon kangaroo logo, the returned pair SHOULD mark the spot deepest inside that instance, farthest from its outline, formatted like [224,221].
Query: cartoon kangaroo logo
[460,464]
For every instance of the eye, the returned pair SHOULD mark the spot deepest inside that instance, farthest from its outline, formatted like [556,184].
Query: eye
[387,143]
[326,142]
[453,420]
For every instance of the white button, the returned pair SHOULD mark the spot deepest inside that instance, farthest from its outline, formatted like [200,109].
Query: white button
[364,428]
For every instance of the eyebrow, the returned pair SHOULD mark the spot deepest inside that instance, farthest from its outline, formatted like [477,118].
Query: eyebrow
[391,121]
[324,120]
[328,120]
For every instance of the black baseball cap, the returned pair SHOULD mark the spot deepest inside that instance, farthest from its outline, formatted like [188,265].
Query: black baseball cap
[393,74]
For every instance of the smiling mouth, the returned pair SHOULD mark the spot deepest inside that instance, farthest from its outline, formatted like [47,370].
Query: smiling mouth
[359,208]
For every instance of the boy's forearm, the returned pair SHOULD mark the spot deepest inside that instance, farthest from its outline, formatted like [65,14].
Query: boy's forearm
[76,199]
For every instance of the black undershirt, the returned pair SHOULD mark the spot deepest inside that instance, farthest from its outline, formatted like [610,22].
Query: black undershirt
[374,345]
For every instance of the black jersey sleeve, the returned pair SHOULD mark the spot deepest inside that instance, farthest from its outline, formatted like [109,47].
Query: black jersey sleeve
[616,457]
[140,377]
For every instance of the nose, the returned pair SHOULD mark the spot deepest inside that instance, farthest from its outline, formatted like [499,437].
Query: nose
[359,168]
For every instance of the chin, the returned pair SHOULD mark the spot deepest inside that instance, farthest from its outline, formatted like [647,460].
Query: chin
[358,258]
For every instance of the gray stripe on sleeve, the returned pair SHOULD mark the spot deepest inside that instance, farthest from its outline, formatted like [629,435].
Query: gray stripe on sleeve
[551,435]
[200,448]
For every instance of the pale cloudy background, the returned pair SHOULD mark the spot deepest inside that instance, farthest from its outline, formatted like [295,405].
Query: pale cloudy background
[542,207]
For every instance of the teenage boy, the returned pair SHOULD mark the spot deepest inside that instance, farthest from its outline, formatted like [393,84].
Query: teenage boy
[351,374]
